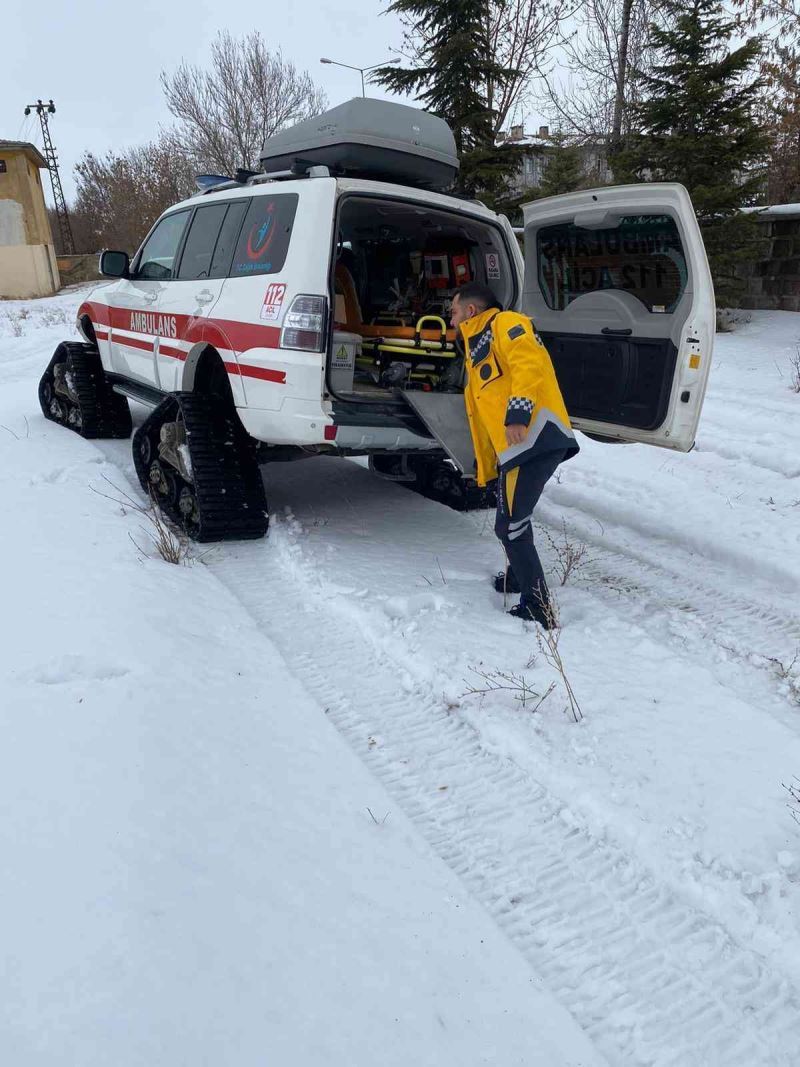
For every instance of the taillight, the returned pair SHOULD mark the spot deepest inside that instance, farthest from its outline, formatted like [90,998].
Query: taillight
[304,324]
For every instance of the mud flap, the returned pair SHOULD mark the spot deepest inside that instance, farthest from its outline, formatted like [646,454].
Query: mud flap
[445,416]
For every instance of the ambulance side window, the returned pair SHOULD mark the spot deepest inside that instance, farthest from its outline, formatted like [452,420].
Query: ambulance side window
[264,240]
[226,242]
[158,254]
[200,241]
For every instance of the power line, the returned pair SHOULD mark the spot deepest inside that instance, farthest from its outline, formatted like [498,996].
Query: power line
[43,111]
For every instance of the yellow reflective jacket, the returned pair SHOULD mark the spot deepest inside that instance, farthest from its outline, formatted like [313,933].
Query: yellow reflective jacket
[510,379]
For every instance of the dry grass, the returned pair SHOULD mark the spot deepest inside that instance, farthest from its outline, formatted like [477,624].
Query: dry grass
[548,642]
[793,789]
[794,368]
[507,681]
[571,557]
[170,545]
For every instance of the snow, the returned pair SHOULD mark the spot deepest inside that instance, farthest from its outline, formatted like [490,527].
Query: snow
[191,752]
[776,210]
[196,867]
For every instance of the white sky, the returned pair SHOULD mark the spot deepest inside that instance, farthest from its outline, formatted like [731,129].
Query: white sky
[100,61]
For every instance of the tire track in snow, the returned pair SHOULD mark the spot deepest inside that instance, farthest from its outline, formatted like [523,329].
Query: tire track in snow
[652,980]
[764,623]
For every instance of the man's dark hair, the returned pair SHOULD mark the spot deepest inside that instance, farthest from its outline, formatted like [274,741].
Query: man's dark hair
[480,295]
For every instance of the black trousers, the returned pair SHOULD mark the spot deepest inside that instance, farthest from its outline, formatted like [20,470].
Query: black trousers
[518,492]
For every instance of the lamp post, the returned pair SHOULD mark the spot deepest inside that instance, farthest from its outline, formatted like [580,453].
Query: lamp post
[361,70]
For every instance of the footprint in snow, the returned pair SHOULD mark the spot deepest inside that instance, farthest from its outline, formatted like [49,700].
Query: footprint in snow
[68,669]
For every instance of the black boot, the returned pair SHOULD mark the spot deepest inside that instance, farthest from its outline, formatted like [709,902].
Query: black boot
[505,582]
[533,612]
[536,606]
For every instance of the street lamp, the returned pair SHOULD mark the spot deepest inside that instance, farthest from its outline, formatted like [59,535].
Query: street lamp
[362,70]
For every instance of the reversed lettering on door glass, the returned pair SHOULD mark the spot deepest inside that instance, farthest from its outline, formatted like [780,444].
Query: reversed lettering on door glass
[642,256]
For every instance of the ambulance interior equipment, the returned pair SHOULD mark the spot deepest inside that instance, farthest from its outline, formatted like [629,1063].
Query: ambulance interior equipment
[397,268]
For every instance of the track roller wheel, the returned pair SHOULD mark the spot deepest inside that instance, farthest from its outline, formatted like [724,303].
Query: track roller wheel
[436,478]
[74,392]
[193,458]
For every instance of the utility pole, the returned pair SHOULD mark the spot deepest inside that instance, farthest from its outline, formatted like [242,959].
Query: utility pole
[43,110]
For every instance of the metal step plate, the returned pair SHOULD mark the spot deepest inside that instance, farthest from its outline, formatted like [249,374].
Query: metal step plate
[446,417]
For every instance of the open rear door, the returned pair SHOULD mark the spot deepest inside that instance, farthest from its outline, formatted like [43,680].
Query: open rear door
[618,286]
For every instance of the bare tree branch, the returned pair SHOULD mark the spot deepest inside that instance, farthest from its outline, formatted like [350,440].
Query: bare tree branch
[227,112]
[590,93]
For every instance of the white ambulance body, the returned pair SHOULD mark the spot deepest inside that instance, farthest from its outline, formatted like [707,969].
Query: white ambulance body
[325,298]
[633,362]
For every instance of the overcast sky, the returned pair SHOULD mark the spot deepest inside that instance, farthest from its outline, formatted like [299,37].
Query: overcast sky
[100,61]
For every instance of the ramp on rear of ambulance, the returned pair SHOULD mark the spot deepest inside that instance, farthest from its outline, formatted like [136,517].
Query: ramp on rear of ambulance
[445,416]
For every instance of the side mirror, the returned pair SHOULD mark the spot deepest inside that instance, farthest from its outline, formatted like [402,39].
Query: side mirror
[115,264]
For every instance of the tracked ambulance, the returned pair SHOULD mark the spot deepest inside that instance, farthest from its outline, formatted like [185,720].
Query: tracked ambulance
[304,311]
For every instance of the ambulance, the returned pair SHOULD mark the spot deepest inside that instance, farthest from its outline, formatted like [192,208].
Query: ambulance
[304,310]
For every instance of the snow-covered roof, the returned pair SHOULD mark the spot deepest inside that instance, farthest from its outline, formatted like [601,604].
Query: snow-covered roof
[777,210]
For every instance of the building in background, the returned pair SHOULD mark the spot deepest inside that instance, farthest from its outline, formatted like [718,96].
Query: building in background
[27,257]
[539,146]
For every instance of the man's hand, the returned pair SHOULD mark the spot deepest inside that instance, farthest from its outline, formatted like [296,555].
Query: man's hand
[516,434]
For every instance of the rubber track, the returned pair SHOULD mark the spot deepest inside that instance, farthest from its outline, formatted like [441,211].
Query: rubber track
[103,412]
[653,980]
[227,480]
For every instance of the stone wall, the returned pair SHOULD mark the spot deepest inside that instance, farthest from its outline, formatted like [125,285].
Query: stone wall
[77,269]
[772,282]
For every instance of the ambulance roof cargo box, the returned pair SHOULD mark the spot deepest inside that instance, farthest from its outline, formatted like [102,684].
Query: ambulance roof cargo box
[368,138]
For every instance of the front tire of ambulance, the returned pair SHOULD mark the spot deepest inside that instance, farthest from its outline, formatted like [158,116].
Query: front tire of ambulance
[195,461]
[74,392]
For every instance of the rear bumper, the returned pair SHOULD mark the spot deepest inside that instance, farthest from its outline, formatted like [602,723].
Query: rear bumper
[305,423]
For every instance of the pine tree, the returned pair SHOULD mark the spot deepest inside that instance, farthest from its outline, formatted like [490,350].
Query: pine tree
[454,65]
[563,171]
[698,126]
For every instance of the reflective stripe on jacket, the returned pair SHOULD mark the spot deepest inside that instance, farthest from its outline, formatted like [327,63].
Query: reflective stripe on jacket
[510,379]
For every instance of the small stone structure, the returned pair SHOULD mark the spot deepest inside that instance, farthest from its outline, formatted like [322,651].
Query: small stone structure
[27,257]
[79,268]
[772,281]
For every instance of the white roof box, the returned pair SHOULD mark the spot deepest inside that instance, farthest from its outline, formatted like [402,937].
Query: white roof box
[369,139]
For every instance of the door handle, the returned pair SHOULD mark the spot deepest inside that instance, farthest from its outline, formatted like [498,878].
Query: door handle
[616,333]
[150,298]
[205,296]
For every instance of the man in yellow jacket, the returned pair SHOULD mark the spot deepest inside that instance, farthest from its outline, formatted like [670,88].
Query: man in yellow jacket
[520,430]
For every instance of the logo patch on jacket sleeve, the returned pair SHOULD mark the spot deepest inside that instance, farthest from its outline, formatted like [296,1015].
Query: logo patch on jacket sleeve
[516,331]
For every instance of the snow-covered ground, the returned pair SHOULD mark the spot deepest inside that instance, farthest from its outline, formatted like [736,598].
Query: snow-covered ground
[191,872]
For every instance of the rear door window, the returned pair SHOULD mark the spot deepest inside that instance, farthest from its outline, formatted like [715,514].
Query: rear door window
[643,256]
[158,254]
[264,239]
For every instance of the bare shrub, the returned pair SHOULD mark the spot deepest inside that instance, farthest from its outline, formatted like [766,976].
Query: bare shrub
[793,789]
[787,671]
[171,546]
[548,642]
[794,366]
[16,321]
[508,681]
[121,194]
[571,556]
